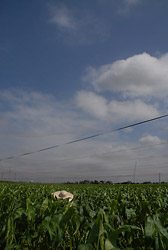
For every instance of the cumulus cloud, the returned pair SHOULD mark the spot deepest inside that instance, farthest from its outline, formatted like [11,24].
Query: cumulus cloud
[40,114]
[138,76]
[114,110]
[33,120]
[131,110]
[93,104]
[150,139]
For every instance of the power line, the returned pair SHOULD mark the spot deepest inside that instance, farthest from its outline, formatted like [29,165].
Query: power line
[104,170]
[118,151]
[86,138]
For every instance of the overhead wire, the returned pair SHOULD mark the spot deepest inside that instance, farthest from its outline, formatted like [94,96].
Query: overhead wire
[115,151]
[118,170]
[86,138]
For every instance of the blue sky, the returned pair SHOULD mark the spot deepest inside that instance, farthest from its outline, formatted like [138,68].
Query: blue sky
[72,68]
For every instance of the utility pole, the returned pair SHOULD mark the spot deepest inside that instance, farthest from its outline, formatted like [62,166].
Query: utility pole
[159,178]
[2,176]
[9,175]
[134,172]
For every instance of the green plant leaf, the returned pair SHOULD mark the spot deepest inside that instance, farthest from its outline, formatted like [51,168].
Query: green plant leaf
[110,246]
[85,247]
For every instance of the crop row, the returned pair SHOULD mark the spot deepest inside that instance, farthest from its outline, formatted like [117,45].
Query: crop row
[101,217]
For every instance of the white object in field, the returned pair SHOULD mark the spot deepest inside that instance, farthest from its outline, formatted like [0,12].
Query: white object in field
[63,195]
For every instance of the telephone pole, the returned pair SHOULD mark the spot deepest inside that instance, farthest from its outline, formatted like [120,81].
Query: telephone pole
[159,178]
[134,172]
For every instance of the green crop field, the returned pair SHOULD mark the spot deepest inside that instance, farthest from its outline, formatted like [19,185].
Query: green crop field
[100,217]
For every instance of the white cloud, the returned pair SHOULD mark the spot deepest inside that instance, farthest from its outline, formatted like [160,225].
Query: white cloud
[131,110]
[92,104]
[150,139]
[62,17]
[76,25]
[33,121]
[30,117]
[39,114]
[114,110]
[137,76]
